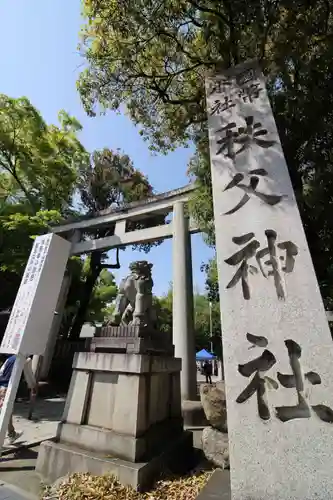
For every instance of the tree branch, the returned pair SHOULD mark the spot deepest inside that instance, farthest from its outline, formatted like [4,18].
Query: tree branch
[12,171]
[112,266]
[162,93]
[207,10]
[179,45]
[269,24]
[234,49]
[195,22]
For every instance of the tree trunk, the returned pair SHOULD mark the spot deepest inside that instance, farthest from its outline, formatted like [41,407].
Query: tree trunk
[88,287]
[25,191]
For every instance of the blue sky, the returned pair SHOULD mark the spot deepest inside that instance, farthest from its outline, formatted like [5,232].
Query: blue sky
[39,60]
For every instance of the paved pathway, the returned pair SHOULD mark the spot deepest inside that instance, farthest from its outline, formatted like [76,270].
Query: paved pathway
[46,416]
[16,464]
[17,469]
[202,379]
[10,492]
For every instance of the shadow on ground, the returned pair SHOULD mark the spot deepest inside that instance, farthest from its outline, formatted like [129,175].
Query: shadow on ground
[28,455]
[50,409]
[18,469]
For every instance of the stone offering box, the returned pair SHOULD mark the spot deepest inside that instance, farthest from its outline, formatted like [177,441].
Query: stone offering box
[122,416]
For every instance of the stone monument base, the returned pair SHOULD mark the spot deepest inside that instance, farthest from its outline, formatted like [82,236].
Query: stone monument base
[193,414]
[122,416]
[132,340]
[56,460]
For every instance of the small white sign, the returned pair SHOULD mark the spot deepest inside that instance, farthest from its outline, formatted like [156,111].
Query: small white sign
[32,314]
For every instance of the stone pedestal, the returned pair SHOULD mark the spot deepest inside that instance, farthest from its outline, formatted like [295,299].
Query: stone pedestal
[122,415]
[133,340]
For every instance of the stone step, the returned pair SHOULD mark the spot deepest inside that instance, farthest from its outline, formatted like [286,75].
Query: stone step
[197,435]
[193,414]
[217,488]
[57,459]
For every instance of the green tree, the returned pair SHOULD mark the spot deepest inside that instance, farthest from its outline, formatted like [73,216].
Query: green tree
[109,180]
[17,230]
[201,320]
[152,57]
[40,160]
[202,324]
[211,285]
[101,299]
[39,165]
[163,307]
[103,295]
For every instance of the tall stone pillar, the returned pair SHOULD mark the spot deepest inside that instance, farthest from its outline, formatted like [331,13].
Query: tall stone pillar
[182,310]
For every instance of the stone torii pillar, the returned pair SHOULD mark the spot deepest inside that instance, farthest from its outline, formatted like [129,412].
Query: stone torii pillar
[182,309]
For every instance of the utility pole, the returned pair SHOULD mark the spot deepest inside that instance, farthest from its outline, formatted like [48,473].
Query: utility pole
[211,325]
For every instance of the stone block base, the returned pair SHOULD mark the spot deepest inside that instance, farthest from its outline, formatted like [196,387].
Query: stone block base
[132,339]
[125,447]
[193,414]
[217,488]
[56,460]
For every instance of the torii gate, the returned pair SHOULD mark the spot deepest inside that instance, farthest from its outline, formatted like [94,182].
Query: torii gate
[180,229]
[33,328]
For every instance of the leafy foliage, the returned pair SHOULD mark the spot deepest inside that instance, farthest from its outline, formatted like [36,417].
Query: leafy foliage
[101,299]
[201,202]
[38,172]
[109,180]
[17,229]
[16,237]
[39,160]
[163,307]
[201,320]
[152,57]
[41,167]
[212,285]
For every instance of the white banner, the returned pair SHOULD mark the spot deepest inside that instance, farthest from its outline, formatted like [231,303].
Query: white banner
[34,306]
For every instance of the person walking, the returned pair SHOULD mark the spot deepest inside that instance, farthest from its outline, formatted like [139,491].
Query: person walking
[208,370]
[5,374]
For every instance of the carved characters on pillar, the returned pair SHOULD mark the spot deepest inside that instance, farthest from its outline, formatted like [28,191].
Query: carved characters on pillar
[220,85]
[261,383]
[250,189]
[221,105]
[278,263]
[250,92]
[245,149]
[233,142]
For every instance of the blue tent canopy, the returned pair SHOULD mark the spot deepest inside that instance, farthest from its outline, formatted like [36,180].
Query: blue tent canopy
[203,355]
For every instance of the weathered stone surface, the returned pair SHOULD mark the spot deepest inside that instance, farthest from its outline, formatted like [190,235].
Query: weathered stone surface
[55,460]
[277,346]
[214,404]
[133,304]
[217,488]
[215,447]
